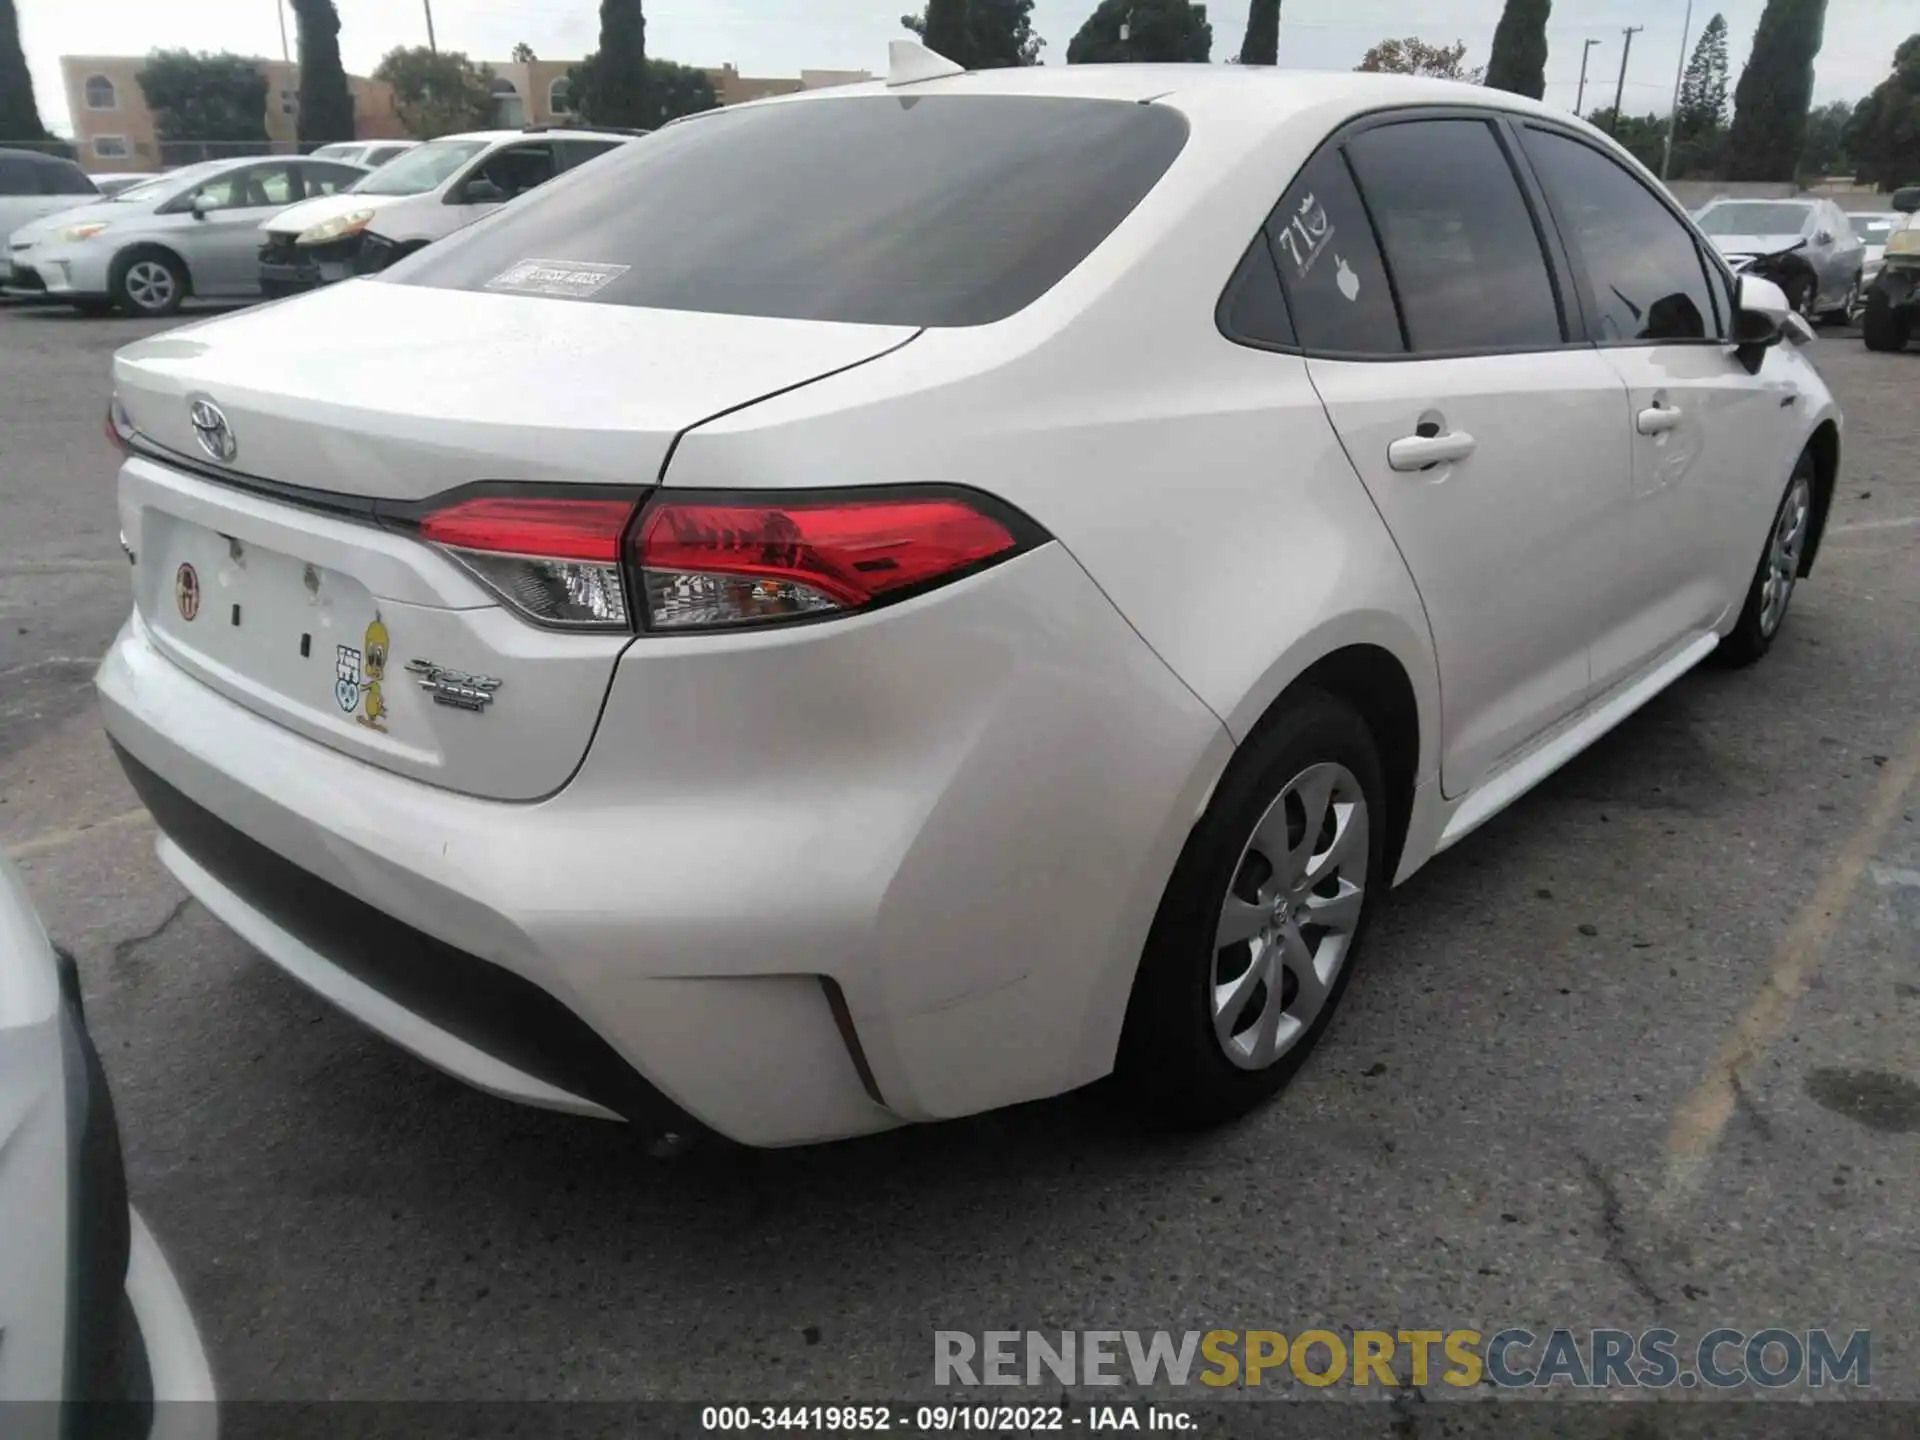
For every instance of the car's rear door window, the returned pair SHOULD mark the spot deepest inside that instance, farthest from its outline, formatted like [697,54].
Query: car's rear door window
[1323,243]
[1648,279]
[882,209]
[65,178]
[18,176]
[1465,255]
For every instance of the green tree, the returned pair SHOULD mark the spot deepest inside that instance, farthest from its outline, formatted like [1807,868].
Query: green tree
[1261,44]
[1644,136]
[205,105]
[437,93]
[991,34]
[1518,62]
[1157,30]
[326,104]
[19,112]
[1883,137]
[1824,151]
[1770,103]
[609,87]
[672,90]
[1700,123]
[1414,56]
[523,54]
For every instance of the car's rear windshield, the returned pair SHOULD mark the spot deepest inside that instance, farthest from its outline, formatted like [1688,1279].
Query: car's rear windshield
[1753,217]
[877,209]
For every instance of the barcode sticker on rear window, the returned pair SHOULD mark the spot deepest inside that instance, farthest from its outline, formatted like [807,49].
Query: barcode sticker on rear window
[577,278]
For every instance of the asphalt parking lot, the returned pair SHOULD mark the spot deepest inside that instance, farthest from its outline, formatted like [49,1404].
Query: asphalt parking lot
[1643,1051]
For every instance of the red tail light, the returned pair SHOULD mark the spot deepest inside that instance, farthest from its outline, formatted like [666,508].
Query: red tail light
[118,427]
[555,559]
[724,560]
[701,561]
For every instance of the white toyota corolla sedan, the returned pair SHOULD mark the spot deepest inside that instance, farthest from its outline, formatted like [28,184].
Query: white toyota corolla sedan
[884,603]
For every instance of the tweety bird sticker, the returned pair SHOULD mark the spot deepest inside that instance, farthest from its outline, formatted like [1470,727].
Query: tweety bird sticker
[373,713]
[358,676]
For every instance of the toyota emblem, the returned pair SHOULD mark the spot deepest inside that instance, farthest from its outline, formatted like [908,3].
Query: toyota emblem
[210,428]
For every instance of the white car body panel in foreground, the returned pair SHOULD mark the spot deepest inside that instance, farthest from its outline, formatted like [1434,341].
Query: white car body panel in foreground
[944,826]
[42,1259]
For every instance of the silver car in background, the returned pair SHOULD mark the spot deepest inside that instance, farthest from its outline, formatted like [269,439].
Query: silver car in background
[191,231]
[1823,281]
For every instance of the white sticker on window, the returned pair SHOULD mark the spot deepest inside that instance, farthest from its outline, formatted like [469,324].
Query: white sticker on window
[1307,235]
[1344,277]
[576,278]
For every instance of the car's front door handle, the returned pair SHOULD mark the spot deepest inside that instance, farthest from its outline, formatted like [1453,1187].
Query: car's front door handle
[1657,419]
[1418,452]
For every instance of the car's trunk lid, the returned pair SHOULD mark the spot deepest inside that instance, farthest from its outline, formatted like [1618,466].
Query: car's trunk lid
[267,574]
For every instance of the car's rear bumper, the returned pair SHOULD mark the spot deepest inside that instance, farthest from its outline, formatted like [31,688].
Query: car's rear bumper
[805,885]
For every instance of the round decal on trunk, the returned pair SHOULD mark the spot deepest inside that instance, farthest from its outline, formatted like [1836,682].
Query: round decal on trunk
[186,591]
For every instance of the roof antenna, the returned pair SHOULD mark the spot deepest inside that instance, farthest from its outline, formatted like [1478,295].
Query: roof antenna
[909,62]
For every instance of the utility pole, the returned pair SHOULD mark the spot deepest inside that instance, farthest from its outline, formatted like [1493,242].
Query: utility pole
[280,9]
[1679,69]
[431,45]
[1620,90]
[1585,49]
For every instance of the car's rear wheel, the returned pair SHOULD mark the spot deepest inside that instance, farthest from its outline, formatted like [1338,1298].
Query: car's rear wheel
[1257,934]
[1883,326]
[1778,572]
[148,282]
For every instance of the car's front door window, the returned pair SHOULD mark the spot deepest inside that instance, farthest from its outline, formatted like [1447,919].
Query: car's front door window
[1648,279]
[510,172]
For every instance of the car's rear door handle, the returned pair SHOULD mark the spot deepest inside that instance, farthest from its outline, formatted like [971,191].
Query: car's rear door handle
[1417,452]
[1657,419]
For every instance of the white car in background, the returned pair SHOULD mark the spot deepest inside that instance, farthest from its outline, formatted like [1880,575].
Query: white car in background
[90,1312]
[371,154]
[432,191]
[34,186]
[1874,228]
[893,601]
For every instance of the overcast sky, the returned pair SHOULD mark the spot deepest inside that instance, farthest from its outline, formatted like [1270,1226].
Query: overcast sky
[780,37]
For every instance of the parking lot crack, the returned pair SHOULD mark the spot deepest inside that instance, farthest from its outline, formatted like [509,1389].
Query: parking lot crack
[1613,1227]
[123,949]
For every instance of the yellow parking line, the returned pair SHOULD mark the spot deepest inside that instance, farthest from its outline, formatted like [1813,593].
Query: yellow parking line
[1702,1116]
[55,839]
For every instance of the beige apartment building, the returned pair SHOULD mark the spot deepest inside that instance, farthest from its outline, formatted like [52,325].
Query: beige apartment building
[114,130]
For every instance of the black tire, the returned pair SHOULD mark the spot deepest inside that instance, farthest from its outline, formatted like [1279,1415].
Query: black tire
[1752,635]
[1883,326]
[149,283]
[1170,1060]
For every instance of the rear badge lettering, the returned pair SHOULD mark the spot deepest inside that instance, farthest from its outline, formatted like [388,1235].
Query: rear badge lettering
[578,279]
[186,591]
[454,687]
[358,676]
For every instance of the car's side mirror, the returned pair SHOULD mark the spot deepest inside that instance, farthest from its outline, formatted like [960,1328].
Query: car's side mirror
[482,191]
[1823,237]
[200,207]
[1762,318]
[1907,199]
